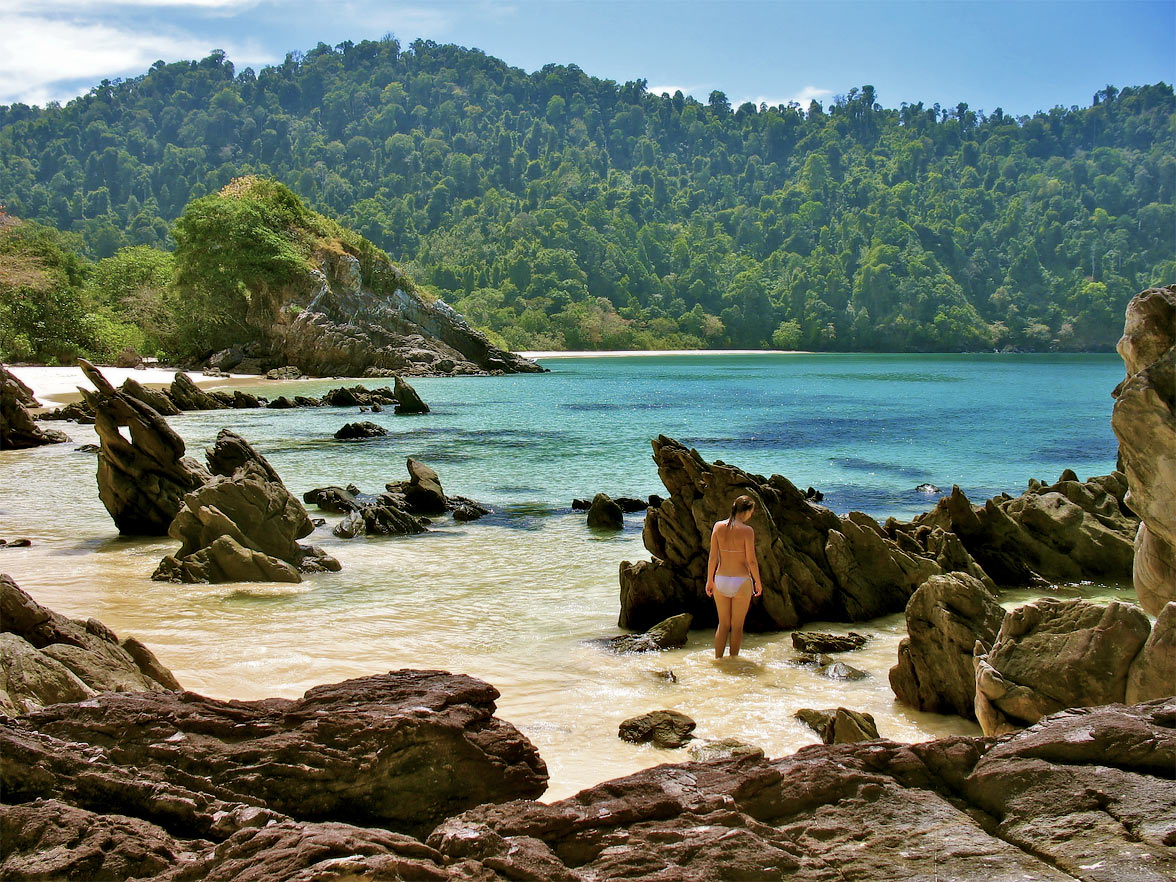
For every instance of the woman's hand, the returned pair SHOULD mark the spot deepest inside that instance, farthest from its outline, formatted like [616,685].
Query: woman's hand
[710,587]
[757,589]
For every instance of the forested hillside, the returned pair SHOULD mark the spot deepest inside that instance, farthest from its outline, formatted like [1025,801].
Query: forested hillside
[558,210]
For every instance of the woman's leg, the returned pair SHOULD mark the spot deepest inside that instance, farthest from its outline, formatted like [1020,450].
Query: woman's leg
[738,612]
[723,605]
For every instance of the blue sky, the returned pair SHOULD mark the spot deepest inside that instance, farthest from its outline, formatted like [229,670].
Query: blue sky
[1021,56]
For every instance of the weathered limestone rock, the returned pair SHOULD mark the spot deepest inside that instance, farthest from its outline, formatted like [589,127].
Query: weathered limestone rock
[815,565]
[141,482]
[1069,530]
[18,430]
[1144,420]
[159,400]
[946,617]
[242,525]
[407,400]
[604,514]
[664,635]
[1153,673]
[664,728]
[1055,654]
[47,658]
[403,750]
[839,725]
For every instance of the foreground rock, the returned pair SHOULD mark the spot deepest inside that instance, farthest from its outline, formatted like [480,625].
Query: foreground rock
[1069,530]
[142,482]
[1085,795]
[946,618]
[1144,420]
[1055,654]
[242,525]
[46,658]
[815,565]
[18,430]
[839,725]
[1153,672]
[666,729]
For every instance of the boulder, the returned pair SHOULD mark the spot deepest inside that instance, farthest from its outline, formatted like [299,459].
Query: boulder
[77,411]
[46,658]
[384,519]
[142,482]
[466,512]
[1085,795]
[841,671]
[664,635]
[1066,531]
[839,725]
[159,400]
[358,396]
[289,372]
[360,431]
[337,499]
[1144,420]
[945,618]
[1055,654]
[815,565]
[245,400]
[723,748]
[604,514]
[423,493]
[226,359]
[407,400]
[816,642]
[18,430]
[188,396]
[663,728]
[1153,672]
[128,358]
[281,403]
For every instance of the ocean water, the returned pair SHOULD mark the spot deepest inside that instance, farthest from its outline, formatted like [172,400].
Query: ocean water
[516,598]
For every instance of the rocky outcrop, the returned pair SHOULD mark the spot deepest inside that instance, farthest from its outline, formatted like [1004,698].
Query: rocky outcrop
[142,482]
[1055,654]
[188,396]
[1069,530]
[335,323]
[1085,795]
[815,565]
[46,658]
[664,635]
[242,525]
[160,400]
[666,729]
[1153,672]
[839,725]
[1144,420]
[18,430]
[407,399]
[945,618]
[604,514]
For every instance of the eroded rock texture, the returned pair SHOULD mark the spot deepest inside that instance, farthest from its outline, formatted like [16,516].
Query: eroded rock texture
[1144,420]
[815,565]
[142,482]
[46,658]
[18,430]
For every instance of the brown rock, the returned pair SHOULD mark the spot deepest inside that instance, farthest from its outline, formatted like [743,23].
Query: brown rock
[604,514]
[407,399]
[188,396]
[664,728]
[664,635]
[18,430]
[1153,672]
[839,725]
[158,399]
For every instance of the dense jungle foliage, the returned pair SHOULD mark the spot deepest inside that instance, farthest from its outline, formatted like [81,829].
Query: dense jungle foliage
[562,211]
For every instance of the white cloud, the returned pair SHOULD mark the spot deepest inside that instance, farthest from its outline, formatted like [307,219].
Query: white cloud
[807,94]
[669,90]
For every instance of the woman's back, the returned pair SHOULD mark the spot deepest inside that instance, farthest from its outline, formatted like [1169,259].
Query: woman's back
[733,540]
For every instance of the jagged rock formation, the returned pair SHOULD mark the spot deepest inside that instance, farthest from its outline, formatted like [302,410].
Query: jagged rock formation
[1144,420]
[815,565]
[159,399]
[1069,530]
[839,725]
[141,482]
[945,618]
[407,399]
[46,658]
[18,430]
[242,525]
[1055,654]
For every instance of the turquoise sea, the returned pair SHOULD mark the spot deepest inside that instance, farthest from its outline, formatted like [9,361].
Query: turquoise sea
[517,598]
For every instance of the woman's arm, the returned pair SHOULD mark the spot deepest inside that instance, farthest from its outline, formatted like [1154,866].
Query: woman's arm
[712,564]
[752,562]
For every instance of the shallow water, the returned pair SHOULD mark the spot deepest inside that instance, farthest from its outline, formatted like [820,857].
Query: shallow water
[514,599]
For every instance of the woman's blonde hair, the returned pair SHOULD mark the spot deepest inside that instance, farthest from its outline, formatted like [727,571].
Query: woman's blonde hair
[740,505]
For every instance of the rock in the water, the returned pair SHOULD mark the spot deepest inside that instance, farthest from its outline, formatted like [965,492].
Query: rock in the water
[186,395]
[466,512]
[1055,654]
[383,519]
[815,565]
[18,430]
[1065,531]
[839,725]
[46,658]
[1153,672]
[281,403]
[946,617]
[604,514]
[1144,420]
[358,396]
[360,431]
[664,635]
[424,493]
[664,728]
[336,499]
[142,482]
[159,399]
[815,642]
[407,400]
[927,488]
[723,748]
[841,671]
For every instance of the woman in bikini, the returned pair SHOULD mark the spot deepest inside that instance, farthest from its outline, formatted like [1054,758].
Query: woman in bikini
[732,573]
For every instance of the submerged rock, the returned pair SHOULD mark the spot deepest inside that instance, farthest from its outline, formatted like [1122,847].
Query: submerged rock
[663,728]
[839,725]
[604,514]
[360,431]
[815,642]
[664,635]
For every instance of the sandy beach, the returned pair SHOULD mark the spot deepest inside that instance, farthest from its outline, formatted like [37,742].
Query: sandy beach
[625,353]
[53,386]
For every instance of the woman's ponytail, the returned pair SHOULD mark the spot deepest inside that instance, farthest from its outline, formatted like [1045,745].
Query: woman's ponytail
[740,505]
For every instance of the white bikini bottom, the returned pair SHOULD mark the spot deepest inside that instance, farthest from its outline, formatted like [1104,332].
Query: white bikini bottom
[729,586]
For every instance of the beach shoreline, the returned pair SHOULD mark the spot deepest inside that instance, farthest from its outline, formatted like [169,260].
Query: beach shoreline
[646,353]
[55,386]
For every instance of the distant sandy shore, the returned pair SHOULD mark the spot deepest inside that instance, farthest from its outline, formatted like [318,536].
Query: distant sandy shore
[624,353]
[59,385]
